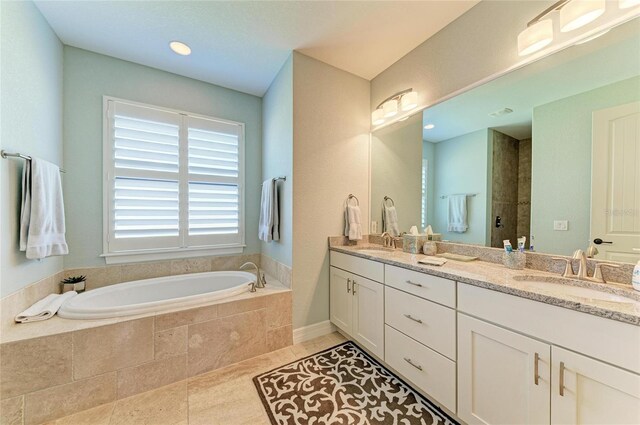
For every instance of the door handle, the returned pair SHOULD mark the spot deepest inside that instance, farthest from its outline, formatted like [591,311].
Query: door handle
[599,241]
[348,286]
[353,288]
[410,317]
[408,360]
[536,375]
[561,379]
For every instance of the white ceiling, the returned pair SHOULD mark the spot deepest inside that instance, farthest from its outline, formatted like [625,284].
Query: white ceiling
[243,44]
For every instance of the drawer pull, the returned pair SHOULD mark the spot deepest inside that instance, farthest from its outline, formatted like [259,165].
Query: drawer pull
[408,360]
[348,286]
[561,379]
[536,376]
[410,317]
[414,284]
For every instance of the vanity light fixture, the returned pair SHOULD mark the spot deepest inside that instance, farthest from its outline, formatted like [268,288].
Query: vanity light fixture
[405,100]
[578,13]
[574,14]
[377,117]
[390,108]
[429,127]
[180,48]
[625,4]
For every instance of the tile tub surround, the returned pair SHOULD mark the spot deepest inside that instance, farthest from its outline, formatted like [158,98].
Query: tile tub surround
[223,396]
[496,277]
[49,377]
[280,271]
[98,277]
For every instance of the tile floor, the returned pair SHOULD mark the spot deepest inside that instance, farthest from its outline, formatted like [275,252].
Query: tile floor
[225,396]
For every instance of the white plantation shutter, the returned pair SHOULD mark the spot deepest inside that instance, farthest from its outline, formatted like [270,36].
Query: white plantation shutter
[173,180]
[214,181]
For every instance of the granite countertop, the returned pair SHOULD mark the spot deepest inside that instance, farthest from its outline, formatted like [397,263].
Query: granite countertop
[496,277]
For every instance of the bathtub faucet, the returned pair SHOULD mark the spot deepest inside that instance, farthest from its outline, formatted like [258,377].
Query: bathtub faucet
[260,280]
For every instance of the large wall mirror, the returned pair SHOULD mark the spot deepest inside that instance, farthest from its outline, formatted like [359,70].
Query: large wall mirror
[550,151]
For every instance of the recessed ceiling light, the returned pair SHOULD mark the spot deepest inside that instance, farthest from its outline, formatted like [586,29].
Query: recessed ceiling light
[429,126]
[180,48]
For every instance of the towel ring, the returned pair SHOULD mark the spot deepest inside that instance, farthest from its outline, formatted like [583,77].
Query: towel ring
[352,196]
[387,198]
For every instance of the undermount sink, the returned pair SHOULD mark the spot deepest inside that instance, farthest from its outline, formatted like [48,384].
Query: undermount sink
[558,286]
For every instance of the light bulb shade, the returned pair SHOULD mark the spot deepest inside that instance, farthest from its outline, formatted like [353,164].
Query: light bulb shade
[625,4]
[390,108]
[535,37]
[409,101]
[578,13]
[377,117]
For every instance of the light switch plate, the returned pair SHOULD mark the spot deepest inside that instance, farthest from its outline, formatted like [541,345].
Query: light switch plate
[561,225]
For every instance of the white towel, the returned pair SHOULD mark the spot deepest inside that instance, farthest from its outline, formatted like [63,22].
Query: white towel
[42,224]
[353,223]
[458,213]
[44,309]
[390,220]
[269,215]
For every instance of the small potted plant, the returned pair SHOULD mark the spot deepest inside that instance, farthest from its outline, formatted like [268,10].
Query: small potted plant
[74,283]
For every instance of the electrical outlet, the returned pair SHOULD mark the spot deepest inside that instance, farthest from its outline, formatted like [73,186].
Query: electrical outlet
[561,225]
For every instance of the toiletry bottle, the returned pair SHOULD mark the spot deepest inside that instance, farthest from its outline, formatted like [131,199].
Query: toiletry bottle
[635,278]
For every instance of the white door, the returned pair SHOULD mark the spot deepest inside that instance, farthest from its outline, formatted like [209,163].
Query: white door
[615,182]
[368,315]
[503,377]
[341,299]
[592,392]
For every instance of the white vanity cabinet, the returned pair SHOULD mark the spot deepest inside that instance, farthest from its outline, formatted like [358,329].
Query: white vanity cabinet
[356,303]
[497,367]
[503,377]
[588,391]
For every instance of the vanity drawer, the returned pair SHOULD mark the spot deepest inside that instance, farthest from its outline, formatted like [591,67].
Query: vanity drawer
[429,323]
[438,289]
[365,268]
[431,372]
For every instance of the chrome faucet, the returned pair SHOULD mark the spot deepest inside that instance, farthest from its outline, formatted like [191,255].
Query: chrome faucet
[387,240]
[260,279]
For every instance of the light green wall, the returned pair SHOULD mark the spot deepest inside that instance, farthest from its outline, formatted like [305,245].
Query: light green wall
[277,156]
[428,153]
[396,171]
[461,166]
[561,164]
[31,123]
[87,77]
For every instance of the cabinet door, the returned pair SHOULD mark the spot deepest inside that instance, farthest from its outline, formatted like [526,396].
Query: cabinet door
[503,377]
[368,315]
[592,392]
[341,299]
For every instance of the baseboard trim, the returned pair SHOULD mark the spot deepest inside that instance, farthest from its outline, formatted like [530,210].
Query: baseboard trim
[306,333]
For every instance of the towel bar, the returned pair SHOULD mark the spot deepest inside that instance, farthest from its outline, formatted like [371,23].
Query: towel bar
[7,155]
[467,194]
[276,179]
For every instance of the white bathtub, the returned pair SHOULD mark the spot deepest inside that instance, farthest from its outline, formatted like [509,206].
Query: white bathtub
[155,295]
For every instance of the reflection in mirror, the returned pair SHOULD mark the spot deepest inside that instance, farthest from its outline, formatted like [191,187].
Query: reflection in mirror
[550,151]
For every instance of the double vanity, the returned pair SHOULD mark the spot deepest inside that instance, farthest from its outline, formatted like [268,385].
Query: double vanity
[492,345]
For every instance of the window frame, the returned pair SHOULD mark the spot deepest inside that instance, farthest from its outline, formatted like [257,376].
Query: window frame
[151,254]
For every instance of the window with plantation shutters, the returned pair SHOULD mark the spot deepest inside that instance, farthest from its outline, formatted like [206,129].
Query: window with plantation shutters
[173,183]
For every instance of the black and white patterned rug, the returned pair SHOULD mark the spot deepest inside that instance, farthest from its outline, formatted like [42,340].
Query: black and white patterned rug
[342,385]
